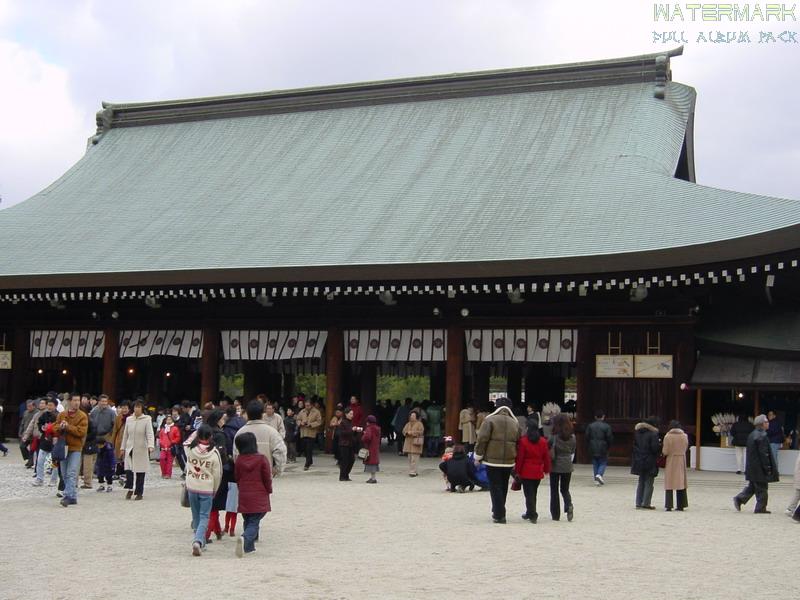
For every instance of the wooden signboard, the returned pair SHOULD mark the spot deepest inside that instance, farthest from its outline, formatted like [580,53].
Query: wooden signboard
[613,365]
[657,366]
[5,359]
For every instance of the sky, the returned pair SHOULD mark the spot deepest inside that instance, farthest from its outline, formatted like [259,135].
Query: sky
[60,58]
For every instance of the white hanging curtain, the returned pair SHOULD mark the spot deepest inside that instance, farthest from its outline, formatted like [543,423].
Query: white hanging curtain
[185,343]
[273,345]
[404,345]
[522,345]
[67,343]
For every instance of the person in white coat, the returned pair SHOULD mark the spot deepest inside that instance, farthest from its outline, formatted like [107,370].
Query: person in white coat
[138,442]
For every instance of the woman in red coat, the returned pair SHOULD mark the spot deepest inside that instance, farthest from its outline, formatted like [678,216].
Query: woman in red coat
[254,480]
[371,440]
[532,464]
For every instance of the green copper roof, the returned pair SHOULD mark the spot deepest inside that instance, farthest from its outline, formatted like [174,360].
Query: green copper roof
[536,173]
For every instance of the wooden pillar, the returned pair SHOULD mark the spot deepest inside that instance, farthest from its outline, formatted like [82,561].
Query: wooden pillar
[455,375]
[209,367]
[334,367]
[111,363]
[698,427]
[756,404]
[20,367]
[514,385]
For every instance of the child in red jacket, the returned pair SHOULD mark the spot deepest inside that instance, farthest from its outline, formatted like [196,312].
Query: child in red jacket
[532,464]
[168,436]
[254,480]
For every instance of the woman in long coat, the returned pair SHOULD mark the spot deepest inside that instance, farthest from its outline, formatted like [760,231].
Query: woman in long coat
[414,433]
[675,445]
[138,441]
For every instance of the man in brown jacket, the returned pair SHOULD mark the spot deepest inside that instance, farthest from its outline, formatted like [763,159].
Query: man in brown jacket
[72,424]
[310,420]
[497,449]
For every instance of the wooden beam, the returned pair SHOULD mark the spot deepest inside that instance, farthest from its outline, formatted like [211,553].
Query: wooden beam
[698,427]
[111,363]
[455,376]
[209,366]
[20,363]
[756,404]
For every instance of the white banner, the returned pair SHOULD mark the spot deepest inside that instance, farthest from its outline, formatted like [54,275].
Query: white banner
[67,344]
[273,345]
[186,343]
[522,345]
[403,345]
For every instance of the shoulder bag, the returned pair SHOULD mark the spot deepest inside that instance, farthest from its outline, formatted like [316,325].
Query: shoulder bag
[59,452]
[363,454]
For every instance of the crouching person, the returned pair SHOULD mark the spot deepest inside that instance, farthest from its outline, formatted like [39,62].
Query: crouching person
[203,476]
[459,470]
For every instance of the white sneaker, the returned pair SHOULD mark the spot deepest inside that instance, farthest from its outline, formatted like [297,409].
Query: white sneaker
[597,480]
[240,547]
[789,512]
[37,483]
[600,480]
[196,549]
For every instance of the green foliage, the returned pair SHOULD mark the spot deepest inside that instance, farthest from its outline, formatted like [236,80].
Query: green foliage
[398,388]
[310,385]
[232,385]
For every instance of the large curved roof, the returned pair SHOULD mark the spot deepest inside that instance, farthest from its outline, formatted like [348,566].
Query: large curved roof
[567,169]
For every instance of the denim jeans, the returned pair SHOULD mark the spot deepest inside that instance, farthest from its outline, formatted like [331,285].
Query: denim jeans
[201,508]
[69,473]
[644,490]
[775,448]
[250,534]
[40,462]
[599,464]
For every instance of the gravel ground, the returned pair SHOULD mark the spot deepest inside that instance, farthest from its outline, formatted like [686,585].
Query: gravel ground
[402,538]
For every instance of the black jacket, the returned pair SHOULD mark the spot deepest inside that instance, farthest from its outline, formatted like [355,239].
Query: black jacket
[459,469]
[599,438]
[761,466]
[46,417]
[90,443]
[740,431]
[646,449]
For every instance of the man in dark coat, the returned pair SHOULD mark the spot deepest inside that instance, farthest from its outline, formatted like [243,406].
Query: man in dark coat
[599,438]
[646,448]
[760,470]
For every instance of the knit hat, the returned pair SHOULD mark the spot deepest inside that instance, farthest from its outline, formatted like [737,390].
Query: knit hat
[760,420]
[371,419]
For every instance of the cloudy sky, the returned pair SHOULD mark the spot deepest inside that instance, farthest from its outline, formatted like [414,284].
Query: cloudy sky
[60,58]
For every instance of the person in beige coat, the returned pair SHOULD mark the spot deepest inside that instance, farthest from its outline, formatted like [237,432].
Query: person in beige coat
[414,434]
[310,420]
[466,425]
[790,510]
[674,447]
[138,441]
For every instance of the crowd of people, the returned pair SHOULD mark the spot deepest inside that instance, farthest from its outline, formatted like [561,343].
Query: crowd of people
[228,453]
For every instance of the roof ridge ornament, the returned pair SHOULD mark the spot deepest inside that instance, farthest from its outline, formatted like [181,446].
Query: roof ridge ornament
[104,117]
[662,68]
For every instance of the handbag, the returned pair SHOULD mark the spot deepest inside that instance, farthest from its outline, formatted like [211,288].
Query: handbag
[59,452]
[363,454]
[661,461]
[516,483]
[184,496]
[418,441]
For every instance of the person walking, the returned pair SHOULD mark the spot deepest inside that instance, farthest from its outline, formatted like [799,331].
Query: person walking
[531,465]
[345,434]
[496,447]
[44,439]
[739,434]
[646,449]
[794,504]
[203,477]
[774,434]
[562,446]
[414,441]
[310,420]
[216,420]
[269,441]
[674,448]
[433,432]
[273,419]
[290,439]
[254,479]
[168,436]
[138,441]
[760,470]
[599,438]
[24,444]
[371,442]
[72,424]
